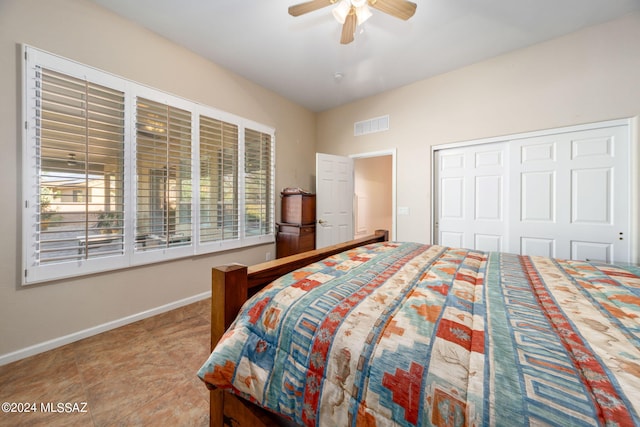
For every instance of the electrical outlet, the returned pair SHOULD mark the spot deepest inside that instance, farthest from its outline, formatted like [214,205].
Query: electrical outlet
[268,256]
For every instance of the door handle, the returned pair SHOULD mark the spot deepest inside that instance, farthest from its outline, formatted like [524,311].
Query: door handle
[322,222]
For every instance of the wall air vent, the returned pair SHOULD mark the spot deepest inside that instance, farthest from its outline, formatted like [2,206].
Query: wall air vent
[374,125]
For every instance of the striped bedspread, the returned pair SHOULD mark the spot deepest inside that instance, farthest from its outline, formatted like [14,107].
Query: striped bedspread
[408,334]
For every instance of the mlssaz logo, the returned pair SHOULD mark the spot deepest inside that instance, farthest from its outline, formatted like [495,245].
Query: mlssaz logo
[64,407]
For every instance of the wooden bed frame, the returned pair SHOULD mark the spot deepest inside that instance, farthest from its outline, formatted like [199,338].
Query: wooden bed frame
[231,285]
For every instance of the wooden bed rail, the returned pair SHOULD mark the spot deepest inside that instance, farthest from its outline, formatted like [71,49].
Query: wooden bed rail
[260,275]
[231,285]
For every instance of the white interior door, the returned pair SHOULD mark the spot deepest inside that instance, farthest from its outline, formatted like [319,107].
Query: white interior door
[334,199]
[562,193]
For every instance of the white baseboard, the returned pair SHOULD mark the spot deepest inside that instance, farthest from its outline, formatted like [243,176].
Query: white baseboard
[76,336]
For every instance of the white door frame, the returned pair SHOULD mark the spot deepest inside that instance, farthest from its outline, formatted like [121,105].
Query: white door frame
[634,208]
[390,152]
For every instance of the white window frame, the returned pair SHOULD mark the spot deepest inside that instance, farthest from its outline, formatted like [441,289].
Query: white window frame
[38,273]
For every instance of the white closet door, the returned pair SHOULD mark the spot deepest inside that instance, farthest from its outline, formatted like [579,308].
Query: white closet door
[471,194]
[572,195]
[563,194]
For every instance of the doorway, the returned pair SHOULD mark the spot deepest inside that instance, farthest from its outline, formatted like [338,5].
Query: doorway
[356,195]
[374,193]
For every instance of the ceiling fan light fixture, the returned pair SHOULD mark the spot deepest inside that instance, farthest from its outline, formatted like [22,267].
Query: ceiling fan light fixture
[341,11]
[353,13]
[363,13]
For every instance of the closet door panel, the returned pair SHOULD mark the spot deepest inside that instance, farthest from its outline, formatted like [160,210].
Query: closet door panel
[573,190]
[470,194]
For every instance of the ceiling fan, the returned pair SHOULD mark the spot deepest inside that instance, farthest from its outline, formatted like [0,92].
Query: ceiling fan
[354,12]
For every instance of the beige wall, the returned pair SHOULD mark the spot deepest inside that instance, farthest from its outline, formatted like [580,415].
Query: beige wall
[588,76]
[84,32]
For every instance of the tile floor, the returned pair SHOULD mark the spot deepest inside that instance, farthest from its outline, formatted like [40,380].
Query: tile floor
[142,374]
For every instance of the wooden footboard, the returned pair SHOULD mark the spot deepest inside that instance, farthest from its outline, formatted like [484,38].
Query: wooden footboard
[231,285]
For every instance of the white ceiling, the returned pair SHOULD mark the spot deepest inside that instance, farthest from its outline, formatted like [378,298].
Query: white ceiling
[299,57]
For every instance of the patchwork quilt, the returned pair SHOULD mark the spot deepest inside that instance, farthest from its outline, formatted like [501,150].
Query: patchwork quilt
[404,334]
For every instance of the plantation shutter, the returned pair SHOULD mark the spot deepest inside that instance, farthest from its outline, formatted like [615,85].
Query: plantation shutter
[218,180]
[80,168]
[259,185]
[163,165]
[108,179]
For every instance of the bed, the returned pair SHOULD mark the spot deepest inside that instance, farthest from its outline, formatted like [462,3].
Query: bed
[373,333]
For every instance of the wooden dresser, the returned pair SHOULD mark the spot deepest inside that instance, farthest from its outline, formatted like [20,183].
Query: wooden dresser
[297,231]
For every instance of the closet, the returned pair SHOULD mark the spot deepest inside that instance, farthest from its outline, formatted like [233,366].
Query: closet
[562,193]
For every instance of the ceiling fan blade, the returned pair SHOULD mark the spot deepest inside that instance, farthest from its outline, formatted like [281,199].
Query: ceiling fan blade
[310,6]
[402,9]
[349,27]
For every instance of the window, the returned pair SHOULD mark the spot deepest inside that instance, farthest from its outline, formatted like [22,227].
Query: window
[259,211]
[163,187]
[117,174]
[218,180]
